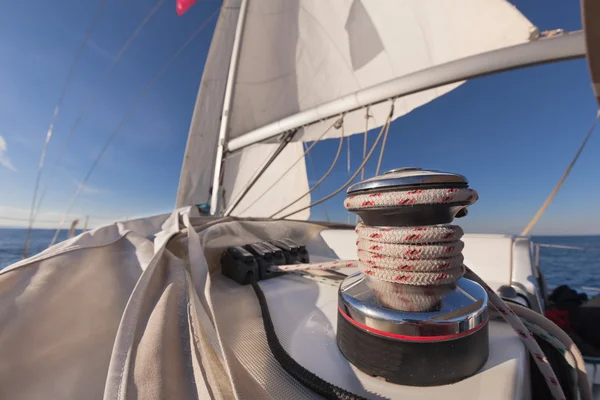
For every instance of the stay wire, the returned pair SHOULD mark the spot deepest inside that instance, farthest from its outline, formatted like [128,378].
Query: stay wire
[385,136]
[312,167]
[544,206]
[90,99]
[128,114]
[258,172]
[365,142]
[384,128]
[365,145]
[316,185]
[290,167]
[63,91]
[348,166]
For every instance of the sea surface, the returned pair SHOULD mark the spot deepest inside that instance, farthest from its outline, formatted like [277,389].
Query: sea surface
[573,267]
[12,242]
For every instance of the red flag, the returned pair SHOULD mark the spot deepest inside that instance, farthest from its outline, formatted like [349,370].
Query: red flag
[184,5]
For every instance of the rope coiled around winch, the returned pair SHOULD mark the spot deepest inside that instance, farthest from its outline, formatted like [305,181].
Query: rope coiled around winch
[421,256]
[412,255]
[431,256]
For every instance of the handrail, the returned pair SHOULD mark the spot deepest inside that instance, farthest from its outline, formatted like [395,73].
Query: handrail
[537,247]
[560,246]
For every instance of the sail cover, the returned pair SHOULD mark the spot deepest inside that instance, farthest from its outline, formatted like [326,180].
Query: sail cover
[299,54]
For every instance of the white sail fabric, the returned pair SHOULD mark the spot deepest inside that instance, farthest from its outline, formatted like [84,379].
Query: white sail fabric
[270,193]
[298,54]
[198,163]
[130,311]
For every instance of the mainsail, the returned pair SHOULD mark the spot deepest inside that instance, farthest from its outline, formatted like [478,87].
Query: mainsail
[298,54]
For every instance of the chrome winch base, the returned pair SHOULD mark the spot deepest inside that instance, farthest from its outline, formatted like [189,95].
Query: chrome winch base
[409,335]
[422,334]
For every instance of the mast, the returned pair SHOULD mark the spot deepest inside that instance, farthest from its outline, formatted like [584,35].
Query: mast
[566,47]
[215,197]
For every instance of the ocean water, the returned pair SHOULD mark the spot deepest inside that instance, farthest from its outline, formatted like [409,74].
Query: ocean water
[576,268]
[13,240]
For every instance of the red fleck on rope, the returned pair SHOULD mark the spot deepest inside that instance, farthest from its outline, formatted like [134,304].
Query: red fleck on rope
[402,259]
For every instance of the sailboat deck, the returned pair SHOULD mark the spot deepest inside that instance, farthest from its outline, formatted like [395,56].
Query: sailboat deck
[304,314]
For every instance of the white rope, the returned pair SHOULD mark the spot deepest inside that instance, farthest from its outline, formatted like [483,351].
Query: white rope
[128,114]
[318,183]
[401,258]
[57,108]
[410,197]
[384,128]
[381,153]
[289,168]
[553,329]
[260,169]
[348,166]
[331,167]
[365,143]
[348,155]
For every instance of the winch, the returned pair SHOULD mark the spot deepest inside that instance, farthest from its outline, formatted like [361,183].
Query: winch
[410,317]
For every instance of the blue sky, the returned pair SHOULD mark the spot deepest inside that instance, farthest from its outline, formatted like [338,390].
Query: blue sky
[512,134]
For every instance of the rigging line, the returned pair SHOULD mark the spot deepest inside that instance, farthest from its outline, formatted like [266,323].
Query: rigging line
[348,168]
[316,185]
[128,114]
[544,206]
[348,155]
[63,91]
[290,167]
[257,173]
[385,136]
[312,166]
[365,144]
[89,100]
[384,128]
